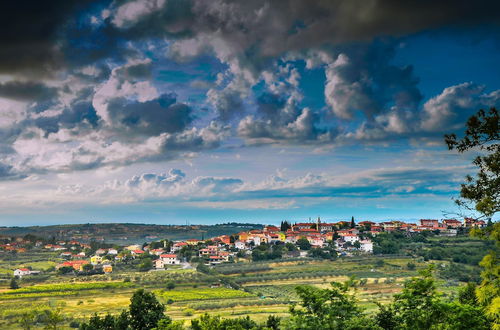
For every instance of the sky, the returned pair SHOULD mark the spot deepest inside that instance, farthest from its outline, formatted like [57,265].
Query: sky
[194,111]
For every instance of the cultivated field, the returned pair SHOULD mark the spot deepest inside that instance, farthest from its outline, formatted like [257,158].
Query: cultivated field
[257,289]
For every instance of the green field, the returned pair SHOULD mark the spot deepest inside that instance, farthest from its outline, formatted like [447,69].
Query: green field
[269,290]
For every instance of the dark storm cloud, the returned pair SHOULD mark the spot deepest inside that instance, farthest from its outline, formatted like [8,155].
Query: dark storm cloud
[27,91]
[278,26]
[162,115]
[35,32]
[30,34]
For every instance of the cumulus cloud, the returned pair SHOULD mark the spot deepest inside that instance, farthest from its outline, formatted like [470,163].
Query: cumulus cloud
[81,88]
[362,79]
[455,105]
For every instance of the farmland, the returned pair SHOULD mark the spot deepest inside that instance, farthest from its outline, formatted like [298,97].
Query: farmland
[268,290]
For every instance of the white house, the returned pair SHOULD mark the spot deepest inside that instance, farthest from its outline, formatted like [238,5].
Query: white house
[366,246]
[113,252]
[350,238]
[22,272]
[169,259]
[240,245]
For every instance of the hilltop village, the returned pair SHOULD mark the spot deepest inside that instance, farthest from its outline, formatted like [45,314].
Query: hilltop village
[299,240]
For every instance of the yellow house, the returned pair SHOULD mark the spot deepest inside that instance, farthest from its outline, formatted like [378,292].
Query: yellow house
[95,260]
[107,268]
[282,236]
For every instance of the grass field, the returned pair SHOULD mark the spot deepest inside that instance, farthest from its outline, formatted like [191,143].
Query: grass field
[268,291]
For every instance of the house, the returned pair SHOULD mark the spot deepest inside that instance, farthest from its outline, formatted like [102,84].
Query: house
[224,255]
[429,223]
[159,264]
[22,272]
[452,223]
[214,260]
[368,224]
[76,264]
[366,246]
[470,222]
[192,241]
[240,245]
[95,260]
[170,259]
[271,229]
[66,254]
[350,238]
[113,252]
[177,246]
[157,252]
[326,227]
[100,252]
[107,268]
[137,252]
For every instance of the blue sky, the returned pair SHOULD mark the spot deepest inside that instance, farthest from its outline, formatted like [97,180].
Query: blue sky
[171,111]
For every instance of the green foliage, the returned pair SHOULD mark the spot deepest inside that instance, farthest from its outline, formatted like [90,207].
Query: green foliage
[334,308]
[467,294]
[303,244]
[170,285]
[419,306]
[145,312]
[483,133]
[267,252]
[215,322]
[411,266]
[145,265]
[52,318]
[273,322]
[13,284]
[65,270]
[203,268]
[323,253]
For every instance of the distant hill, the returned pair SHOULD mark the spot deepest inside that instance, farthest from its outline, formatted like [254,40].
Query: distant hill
[128,232]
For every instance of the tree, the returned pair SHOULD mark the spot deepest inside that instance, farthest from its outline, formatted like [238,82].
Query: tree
[13,284]
[27,320]
[52,318]
[353,224]
[333,308]
[419,306]
[87,267]
[482,194]
[170,285]
[209,322]
[273,322]
[285,225]
[145,265]
[303,244]
[482,133]
[65,270]
[467,294]
[145,311]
